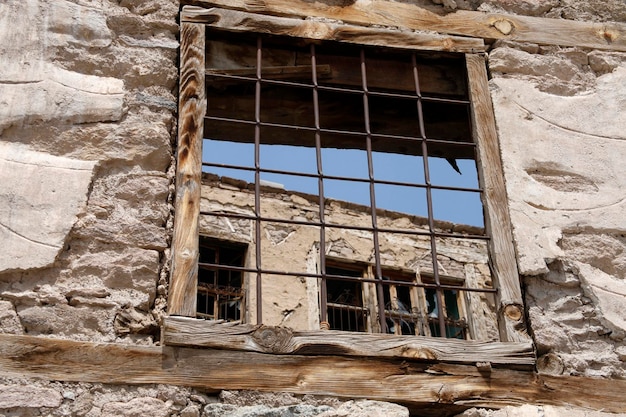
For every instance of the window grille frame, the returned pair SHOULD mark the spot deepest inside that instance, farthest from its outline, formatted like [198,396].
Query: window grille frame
[192,107]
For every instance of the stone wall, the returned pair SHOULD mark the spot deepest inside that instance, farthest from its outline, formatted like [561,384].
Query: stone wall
[87,126]
[560,116]
[88,100]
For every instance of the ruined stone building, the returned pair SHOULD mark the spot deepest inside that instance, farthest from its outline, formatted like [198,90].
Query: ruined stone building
[312,208]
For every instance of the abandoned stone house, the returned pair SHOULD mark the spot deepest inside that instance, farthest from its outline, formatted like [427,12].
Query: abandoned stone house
[297,208]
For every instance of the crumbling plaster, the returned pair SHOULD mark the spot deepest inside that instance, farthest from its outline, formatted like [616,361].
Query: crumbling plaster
[560,115]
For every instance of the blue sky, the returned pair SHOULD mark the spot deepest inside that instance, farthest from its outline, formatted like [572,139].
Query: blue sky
[455,206]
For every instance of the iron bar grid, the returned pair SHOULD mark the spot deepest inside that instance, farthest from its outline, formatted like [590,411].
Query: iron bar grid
[423,141]
[340,89]
[339,132]
[214,266]
[335,177]
[344,226]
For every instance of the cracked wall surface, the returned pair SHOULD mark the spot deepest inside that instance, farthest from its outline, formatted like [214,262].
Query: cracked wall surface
[560,115]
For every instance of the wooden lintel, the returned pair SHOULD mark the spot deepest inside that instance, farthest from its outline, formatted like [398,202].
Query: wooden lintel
[488,26]
[426,386]
[239,21]
[279,340]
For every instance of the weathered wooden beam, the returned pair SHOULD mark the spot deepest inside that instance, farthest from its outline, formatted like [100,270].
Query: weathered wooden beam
[192,107]
[280,340]
[239,21]
[497,222]
[427,386]
[489,26]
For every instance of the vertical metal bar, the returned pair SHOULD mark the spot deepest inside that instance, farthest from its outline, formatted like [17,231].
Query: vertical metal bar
[216,279]
[257,180]
[320,184]
[429,202]
[370,168]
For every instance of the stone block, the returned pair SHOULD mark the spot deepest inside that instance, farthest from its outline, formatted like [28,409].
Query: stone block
[40,200]
[137,407]
[562,159]
[13,396]
[9,322]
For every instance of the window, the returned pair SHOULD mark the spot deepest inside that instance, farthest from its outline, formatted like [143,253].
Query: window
[296,144]
[220,287]
[409,310]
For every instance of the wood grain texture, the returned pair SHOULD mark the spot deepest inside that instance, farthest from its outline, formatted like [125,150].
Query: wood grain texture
[192,108]
[433,388]
[495,202]
[280,340]
[489,26]
[239,21]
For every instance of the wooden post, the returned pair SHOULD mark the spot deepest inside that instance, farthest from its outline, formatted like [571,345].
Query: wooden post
[192,108]
[509,300]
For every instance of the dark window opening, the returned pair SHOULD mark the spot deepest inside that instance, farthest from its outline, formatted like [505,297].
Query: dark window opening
[455,325]
[345,301]
[220,290]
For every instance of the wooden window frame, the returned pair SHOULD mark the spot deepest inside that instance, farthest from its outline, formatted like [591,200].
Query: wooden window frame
[515,345]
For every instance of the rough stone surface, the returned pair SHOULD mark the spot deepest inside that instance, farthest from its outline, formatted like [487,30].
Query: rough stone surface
[40,200]
[258,404]
[40,91]
[28,397]
[9,321]
[87,98]
[137,407]
[569,180]
[536,411]
[562,151]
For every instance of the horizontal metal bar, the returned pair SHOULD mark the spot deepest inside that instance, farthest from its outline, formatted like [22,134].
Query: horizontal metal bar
[343,226]
[340,178]
[339,132]
[347,278]
[322,87]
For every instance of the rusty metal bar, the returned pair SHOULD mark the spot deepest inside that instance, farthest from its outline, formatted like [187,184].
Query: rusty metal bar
[341,89]
[344,226]
[370,169]
[334,177]
[213,266]
[320,184]
[429,202]
[257,179]
[341,132]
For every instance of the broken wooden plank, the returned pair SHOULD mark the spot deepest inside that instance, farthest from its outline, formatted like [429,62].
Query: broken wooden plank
[432,388]
[488,26]
[239,21]
[189,332]
[192,107]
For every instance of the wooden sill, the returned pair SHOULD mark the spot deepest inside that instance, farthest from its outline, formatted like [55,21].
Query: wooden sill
[190,332]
